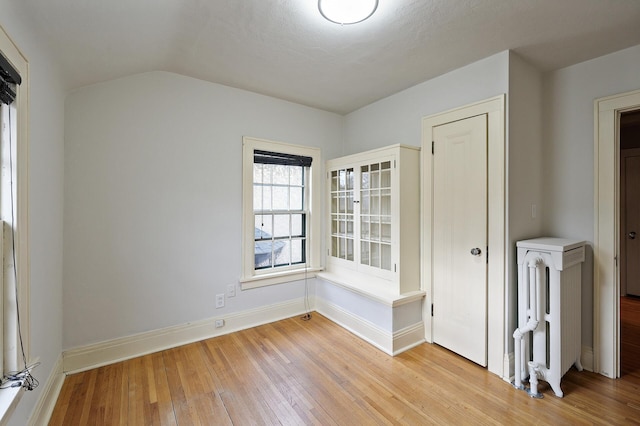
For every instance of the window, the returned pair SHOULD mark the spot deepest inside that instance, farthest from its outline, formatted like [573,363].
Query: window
[14,208]
[281,240]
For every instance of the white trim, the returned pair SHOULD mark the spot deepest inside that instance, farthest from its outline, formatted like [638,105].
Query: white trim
[250,278]
[498,268]
[49,396]
[606,283]
[390,343]
[104,353]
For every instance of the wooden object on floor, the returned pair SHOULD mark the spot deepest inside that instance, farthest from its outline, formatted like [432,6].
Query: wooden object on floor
[315,372]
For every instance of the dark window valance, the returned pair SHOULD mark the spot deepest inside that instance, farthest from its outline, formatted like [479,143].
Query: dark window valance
[9,78]
[268,157]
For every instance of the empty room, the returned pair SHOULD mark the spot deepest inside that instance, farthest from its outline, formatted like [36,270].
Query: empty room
[319,212]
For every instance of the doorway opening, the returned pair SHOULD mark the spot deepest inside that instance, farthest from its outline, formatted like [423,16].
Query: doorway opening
[629,243]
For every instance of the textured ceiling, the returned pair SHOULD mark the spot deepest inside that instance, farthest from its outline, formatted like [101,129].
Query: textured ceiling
[284,48]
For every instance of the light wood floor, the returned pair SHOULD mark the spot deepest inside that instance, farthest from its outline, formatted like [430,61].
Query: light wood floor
[629,336]
[294,372]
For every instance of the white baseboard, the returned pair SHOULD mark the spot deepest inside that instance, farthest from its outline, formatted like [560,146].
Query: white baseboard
[112,351]
[508,366]
[49,396]
[586,358]
[390,343]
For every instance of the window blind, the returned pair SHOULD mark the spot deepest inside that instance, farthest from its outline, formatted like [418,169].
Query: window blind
[9,78]
[268,157]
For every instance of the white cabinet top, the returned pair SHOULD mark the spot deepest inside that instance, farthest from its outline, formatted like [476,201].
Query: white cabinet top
[550,244]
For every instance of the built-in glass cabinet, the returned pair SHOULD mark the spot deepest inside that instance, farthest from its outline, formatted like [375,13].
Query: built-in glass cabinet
[374,215]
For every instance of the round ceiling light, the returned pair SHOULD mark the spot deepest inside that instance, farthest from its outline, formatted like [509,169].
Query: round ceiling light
[346,12]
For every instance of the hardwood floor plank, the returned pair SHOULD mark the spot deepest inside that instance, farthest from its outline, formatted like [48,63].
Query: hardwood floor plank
[296,372]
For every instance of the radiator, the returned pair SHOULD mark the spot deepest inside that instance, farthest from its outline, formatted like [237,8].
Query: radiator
[547,342]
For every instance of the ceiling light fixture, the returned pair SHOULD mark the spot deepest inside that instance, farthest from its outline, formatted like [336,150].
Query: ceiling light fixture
[345,12]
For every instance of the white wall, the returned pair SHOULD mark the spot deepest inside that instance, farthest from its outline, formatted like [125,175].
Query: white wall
[524,174]
[569,95]
[153,200]
[46,195]
[398,118]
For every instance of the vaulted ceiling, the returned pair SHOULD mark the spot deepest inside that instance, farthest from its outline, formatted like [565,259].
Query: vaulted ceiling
[285,49]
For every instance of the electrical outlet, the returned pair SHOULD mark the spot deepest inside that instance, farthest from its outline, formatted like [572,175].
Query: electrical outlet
[219,300]
[231,290]
[219,323]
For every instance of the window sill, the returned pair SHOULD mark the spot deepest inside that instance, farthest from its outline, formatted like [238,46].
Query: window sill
[277,278]
[8,401]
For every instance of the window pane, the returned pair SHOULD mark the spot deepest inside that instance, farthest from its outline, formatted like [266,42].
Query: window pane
[282,252]
[295,198]
[281,174]
[296,225]
[281,225]
[257,173]
[263,254]
[349,249]
[257,198]
[263,226]
[296,251]
[267,172]
[280,198]
[295,177]
[266,198]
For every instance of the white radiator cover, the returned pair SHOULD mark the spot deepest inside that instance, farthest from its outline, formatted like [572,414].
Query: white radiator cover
[556,344]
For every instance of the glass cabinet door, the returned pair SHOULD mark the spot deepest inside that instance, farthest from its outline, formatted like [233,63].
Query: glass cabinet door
[342,215]
[375,215]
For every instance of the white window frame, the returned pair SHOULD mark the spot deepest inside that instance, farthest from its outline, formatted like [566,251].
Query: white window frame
[11,344]
[252,278]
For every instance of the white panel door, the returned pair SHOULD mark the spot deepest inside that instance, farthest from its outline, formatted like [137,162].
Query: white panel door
[460,237]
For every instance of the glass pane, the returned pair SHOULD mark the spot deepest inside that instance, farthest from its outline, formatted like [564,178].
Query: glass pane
[262,254]
[364,177]
[385,257]
[364,228]
[334,225]
[375,179]
[295,176]
[341,249]
[375,202]
[343,180]
[349,249]
[267,172]
[266,198]
[296,251]
[281,225]
[386,229]
[375,255]
[341,225]
[257,173]
[365,203]
[334,180]
[385,201]
[280,198]
[257,197]
[385,179]
[385,165]
[375,230]
[296,225]
[334,246]
[349,203]
[282,252]
[349,179]
[364,253]
[263,226]
[334,203]
[281,174]
[350,227]
[342,207]
[295,194]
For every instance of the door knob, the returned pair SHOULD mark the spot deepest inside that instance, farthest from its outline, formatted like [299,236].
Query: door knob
[476,251]
[632,235]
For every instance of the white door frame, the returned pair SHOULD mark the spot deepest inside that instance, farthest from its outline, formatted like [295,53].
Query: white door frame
[606,245]
[494,108]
